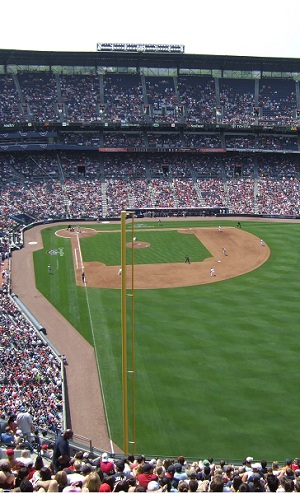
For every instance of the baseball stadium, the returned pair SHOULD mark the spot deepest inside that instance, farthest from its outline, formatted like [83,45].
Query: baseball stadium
[149,235]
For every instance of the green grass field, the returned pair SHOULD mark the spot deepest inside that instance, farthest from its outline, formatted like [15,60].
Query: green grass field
[215,365]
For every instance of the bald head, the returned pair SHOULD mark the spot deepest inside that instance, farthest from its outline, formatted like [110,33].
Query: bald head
[68,434]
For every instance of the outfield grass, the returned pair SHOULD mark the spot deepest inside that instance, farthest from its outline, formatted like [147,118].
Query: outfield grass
[216,365]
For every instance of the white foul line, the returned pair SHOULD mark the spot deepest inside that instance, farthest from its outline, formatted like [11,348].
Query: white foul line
[76,260]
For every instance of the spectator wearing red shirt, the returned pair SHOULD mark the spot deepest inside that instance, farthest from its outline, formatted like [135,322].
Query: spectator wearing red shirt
[146,476]
[107,467]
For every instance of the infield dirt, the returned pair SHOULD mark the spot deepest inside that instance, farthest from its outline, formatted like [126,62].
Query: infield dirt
[244,253]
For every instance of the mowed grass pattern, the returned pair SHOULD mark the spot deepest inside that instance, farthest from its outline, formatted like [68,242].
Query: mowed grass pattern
[164,247]
[215,365]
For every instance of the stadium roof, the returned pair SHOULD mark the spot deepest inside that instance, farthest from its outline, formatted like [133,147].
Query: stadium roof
[167,60]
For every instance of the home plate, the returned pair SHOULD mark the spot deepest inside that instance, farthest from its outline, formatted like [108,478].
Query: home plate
[219,261]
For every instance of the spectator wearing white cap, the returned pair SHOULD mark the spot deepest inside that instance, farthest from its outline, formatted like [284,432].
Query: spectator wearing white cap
[248,462]
[256,472]
[153,486]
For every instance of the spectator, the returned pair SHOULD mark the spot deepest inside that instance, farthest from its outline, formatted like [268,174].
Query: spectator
[25,423]
[26,459]
[106,465]
[3,421]
[26,486]
[12,423]
[92,483]
[120,473]
[13,463]
[61,479]
[272,482]
[179,474]
[76,474]
[7,478]
[22,474]
[46,483]
[61,454]
[7,437]
[38,465]
[147,475]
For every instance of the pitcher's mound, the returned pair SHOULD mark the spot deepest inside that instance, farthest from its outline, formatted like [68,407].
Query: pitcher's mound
[138,245]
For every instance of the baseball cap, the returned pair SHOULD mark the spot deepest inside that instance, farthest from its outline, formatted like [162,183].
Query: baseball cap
[153,486]
[104,488]
[147,467]
[105,457]
[120,464]
[10,452]
[171,469]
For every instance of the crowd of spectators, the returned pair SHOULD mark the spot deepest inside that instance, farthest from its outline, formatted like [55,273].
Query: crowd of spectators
[277,187]
[198,97]
[159,141]
[80,185]
[233,141]
[277,100]
[80,97]
[195,140]
[80,138]
[86,473]
[123,99]
[237,100]
[30,373]
[45,98]
[164,140]
[123,139]
[38,97]
[148,139]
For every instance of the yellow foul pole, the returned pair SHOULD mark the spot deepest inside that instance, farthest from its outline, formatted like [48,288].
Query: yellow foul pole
[132,341]
[124,330]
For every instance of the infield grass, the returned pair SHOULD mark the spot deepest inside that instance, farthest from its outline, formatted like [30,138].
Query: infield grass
[216,365]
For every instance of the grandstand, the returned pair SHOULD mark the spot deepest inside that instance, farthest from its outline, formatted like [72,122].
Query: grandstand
[84,136]
[148,131]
